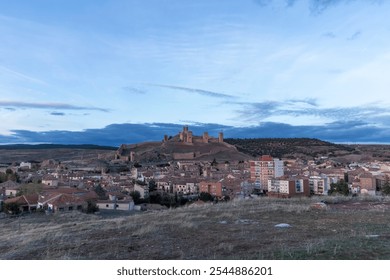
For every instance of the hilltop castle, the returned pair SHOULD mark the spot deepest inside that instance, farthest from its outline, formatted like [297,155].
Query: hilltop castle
[186,136]
[182,146]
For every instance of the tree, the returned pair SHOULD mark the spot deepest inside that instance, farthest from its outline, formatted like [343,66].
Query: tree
[152,185]
[136,196]
[205,196]
[155,198]
[30,188]
[92,207]
[12,208]
[386,186]
[168,200]
[9,175]
[340,187]
[3,177]
[100,192]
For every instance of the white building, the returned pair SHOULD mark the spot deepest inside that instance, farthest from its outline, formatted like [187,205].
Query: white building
[25,165]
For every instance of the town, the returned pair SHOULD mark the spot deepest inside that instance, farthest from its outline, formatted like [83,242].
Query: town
[179,170]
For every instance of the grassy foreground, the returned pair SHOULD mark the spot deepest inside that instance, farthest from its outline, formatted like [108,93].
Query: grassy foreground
[234,230]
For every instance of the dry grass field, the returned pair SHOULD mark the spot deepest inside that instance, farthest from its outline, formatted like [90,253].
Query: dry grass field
[349,228]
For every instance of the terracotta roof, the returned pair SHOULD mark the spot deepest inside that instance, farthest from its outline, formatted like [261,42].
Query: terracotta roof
[24,199]
[127,201]
[10,185]
[60,199]
[366,175]
[65,191]
[19,200]
[266,158]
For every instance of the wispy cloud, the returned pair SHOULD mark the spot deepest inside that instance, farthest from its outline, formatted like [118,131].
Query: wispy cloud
[285,3]
[21,75]
[134,90]
[197,91]
[355,36]
[307,108]
[55,106]
[318,6]
[315,6]
[57,114]
[10,109]
[329,35]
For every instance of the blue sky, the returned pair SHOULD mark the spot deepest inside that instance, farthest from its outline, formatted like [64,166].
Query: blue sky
[76,70]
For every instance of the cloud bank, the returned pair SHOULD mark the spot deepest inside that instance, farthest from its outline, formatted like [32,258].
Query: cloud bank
[117,134]
[196,91]
[53,106]
[315,6]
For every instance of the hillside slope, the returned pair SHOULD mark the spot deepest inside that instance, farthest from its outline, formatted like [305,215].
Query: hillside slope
[290,147]
[174,150]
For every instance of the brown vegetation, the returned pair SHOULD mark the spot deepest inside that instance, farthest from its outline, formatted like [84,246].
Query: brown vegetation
[234,230]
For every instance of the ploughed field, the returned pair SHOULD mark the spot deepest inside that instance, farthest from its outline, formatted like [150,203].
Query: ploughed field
[344,228]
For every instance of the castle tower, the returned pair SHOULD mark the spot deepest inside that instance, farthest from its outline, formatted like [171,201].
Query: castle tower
[189,137]
[220,137]
[132,156]
[205,137]
[183,135]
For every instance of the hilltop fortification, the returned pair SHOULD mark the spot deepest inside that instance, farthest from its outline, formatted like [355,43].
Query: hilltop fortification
[183,146]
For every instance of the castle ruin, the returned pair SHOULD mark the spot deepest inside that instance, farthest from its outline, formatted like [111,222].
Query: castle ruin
[186,136]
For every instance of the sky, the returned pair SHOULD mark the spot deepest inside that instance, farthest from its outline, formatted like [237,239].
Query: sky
[111,72]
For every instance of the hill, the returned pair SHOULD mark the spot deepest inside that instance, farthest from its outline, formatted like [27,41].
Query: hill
[39,153]
[164,152]
[55,146]
[183,146]
[290,147]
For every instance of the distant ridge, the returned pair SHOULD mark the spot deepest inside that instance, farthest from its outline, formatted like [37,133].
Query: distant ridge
[289,147]
[55,146]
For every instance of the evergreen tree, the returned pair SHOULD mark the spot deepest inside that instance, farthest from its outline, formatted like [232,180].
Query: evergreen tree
[386,186]
[340,187]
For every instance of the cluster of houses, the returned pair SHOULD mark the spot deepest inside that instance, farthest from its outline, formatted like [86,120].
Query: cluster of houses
[67,189]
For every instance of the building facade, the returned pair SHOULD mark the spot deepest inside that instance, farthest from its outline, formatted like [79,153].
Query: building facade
[213,188]
[264,169]
[288,187]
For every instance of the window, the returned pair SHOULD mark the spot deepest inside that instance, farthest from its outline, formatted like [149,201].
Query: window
[298,186]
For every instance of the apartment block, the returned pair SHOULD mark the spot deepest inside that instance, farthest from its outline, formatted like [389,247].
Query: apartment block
[288,187]
[264,169]
[213,188]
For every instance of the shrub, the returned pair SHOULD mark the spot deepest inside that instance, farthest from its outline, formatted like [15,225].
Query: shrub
[12,208]
[204,196]
[92,207]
